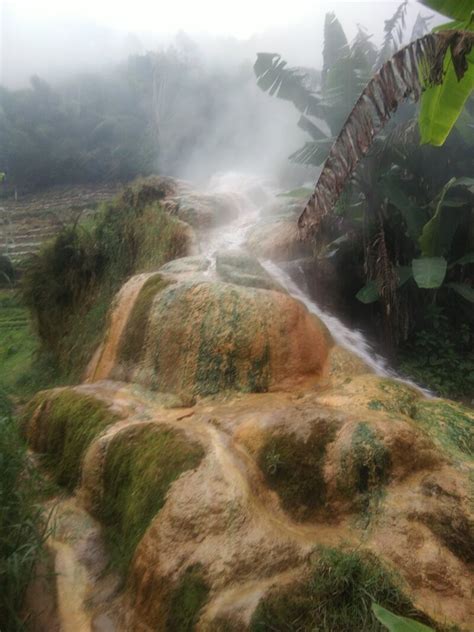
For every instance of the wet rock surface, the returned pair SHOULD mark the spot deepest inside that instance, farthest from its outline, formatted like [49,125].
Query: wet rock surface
[224,454]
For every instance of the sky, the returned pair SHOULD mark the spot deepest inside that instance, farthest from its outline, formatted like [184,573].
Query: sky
[241,18]
[52,38]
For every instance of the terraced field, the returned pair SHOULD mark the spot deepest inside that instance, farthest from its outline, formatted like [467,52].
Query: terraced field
[32,219]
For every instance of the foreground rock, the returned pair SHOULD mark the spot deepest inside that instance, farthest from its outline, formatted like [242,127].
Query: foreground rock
[223,515]
[227,468]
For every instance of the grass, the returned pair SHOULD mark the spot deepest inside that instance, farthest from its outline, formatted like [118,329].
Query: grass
[70,284]
[335,597]
[294,468]
[72,421]
[187,600]
[140,466]
[22,527]
[23,370]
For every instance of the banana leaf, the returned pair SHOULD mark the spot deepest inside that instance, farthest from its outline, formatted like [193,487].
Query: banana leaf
[429,272]
[455,9]
[463,290]
[395,623]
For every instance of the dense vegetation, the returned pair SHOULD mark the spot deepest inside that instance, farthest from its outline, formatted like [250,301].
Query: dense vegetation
[70,284]
[22,527]
[156,112]
[404,222]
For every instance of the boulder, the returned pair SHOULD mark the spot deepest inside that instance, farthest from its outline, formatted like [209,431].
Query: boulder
[204,337]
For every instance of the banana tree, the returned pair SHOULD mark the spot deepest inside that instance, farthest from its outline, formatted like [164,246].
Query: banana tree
[443,102]
[419,68]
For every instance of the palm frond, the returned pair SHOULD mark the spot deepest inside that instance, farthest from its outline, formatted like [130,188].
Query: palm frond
[405,75]
[290,84]
[394,28]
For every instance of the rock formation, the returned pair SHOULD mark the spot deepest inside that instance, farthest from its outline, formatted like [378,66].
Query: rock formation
[224,457]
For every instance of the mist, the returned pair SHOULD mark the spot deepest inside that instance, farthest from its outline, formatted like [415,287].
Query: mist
[209,115]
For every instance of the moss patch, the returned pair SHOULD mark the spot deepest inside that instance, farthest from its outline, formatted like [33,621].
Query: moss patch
[396,398]
[135,331]
[242,269]
[187,600]
[68,423]
[140,465]
[336,596]
[294,468]
[450,423]
[365,467]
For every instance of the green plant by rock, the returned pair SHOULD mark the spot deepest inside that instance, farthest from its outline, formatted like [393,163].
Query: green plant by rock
[336,595]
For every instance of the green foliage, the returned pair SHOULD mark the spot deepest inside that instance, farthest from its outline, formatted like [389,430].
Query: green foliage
[336,596]
[294,468]
[440,355]
[455,9]
[23,529]
[463,290]
[23,371]
[429,272]
[368,294]
[93,128]
[140,465]
[187,600]
[441,105]
[395,623]
[71,421]
[69,286]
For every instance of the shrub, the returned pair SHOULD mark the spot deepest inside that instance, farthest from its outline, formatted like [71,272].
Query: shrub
[70,284]
[22,529]
[335,597]
[68,423]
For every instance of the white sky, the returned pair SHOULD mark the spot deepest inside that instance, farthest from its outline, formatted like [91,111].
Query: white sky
[239,18]
[54,38]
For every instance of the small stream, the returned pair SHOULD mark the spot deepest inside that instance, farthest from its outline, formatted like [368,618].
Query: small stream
[233,236]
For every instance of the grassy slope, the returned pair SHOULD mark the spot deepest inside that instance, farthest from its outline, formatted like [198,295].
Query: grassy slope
[22,371]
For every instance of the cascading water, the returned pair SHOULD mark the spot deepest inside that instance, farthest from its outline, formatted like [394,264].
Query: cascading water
[351,339]
[233,236]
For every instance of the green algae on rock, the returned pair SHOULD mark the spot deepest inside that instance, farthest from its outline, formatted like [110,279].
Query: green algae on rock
[293,466]
[187,600]
[134,334]
[186,265]
[140,464]
[60,425]
[242,269]
[204,337]
[336,595]
[450,423]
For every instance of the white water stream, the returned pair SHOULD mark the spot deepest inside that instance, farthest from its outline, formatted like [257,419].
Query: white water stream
[233,236]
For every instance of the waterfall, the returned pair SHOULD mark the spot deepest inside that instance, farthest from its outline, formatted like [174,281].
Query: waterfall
[233,236]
